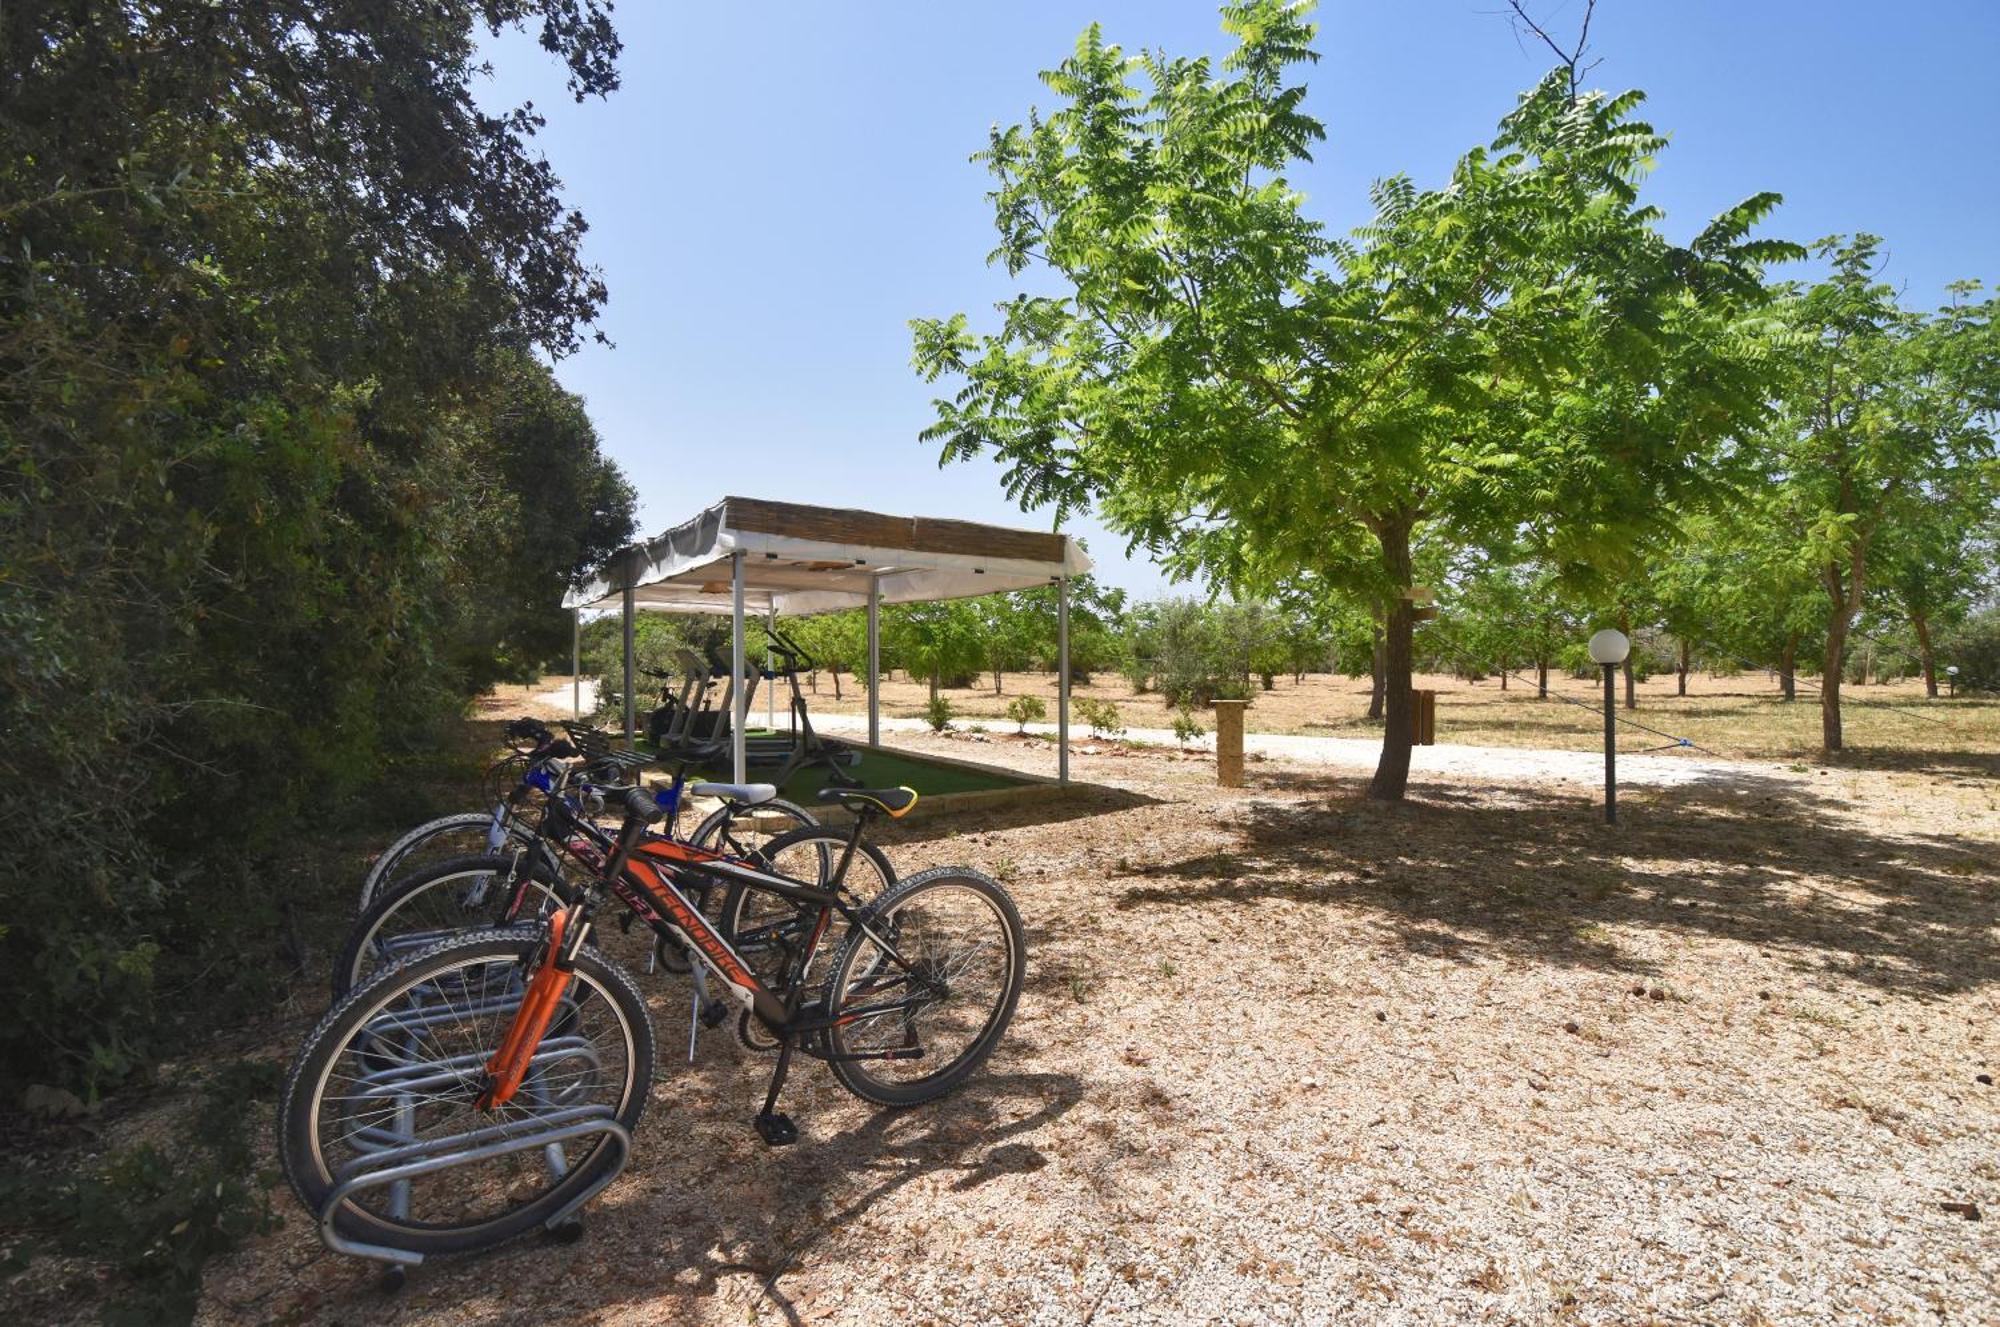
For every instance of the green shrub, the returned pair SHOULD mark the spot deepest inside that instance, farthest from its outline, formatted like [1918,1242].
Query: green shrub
[154,1216]
[938,713]
[1186,727]
[1101,715]
[1024,710]
[285,480]
[1973,647]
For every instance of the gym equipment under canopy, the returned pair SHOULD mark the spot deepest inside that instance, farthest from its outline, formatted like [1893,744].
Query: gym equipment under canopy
[748,554]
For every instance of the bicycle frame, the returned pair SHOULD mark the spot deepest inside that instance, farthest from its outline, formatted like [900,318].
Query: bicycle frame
[648,882]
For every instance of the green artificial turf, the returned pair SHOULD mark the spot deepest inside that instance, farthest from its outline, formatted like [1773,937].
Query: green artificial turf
[877,769]
[882,769]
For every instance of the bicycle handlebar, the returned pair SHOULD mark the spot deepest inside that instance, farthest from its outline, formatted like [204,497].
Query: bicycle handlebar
[641,805]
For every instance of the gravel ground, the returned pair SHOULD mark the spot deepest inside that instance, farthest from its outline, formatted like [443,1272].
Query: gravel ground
[1286,1056]
[1508,764]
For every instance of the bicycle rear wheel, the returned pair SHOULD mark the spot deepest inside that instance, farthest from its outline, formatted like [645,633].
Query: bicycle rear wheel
[467,834]
[396,1066]
[962,939]
[436,903]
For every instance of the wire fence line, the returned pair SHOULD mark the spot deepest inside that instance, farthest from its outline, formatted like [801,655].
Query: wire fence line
[1845,696]
[1672,743]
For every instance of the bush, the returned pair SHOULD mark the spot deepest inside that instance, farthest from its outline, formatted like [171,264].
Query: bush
[1024,710]
[1186,726]
[1102,716]
[1973,647]
[154,1216]
[938,714]
[284,478]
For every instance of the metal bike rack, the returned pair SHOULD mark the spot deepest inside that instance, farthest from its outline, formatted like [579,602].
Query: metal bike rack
[403,1082]
[400,1165]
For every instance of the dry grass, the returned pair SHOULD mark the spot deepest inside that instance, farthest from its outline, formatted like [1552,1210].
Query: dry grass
[1287,1056]
[1739,717]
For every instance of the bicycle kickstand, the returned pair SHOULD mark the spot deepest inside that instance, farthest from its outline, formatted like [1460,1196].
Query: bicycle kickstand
[775,1129]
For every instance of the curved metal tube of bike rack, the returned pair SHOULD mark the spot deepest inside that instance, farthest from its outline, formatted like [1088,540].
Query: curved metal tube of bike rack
[402,1164]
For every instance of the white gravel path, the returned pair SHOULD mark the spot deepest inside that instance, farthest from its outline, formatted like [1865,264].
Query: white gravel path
[1499,763]
[562,696]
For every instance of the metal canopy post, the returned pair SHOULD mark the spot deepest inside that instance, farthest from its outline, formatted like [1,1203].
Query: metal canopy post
[739,701]
[770,687]
[874,659]
[631,699]
[1062,679]
[575,660]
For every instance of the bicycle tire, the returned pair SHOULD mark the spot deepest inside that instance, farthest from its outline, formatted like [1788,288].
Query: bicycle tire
[886,912]
[302,1152]
[389,865]
[349,965]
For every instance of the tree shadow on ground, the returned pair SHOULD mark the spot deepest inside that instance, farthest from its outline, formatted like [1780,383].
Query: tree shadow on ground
[820,1188]
[1534,874]
[1953,763]
[706,1208]
[1080,801]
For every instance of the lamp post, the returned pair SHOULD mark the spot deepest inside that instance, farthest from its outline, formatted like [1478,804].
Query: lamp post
[1609,648]
[1951,680]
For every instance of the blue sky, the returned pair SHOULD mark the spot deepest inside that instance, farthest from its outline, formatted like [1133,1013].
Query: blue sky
[772,198]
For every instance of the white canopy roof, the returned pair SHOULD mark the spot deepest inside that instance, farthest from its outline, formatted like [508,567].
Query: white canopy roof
[802,559]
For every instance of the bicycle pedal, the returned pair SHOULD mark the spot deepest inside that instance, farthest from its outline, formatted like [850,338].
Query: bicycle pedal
[714,1013]
[392,1279]
[566,1231]
[776,1130]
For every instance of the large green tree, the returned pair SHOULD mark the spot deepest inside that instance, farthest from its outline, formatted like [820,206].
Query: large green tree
[1250,397]
[283,471]
[1883,412]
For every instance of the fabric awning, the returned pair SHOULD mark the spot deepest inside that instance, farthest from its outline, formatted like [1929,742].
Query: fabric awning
[801,559]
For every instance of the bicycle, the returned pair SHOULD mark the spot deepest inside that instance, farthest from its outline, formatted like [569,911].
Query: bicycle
[500,889]
[491,1084]
[500,831]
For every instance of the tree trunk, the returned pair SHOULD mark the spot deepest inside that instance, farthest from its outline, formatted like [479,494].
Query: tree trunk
[836,683]
[1846,602]
[1392,773]
[1375,690]
[937,677]
[1829,682]
[996,681]
[1788,667]
[1542,678]
[1923,626]
[1503,677]
[1686,651]
[1631,686]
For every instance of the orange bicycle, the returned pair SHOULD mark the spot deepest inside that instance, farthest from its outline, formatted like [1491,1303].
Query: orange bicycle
[490,1085]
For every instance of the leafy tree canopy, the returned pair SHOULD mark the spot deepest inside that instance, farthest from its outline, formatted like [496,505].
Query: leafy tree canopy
[1249,397]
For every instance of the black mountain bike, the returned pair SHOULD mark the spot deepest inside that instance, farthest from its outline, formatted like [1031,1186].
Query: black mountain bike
[527,878]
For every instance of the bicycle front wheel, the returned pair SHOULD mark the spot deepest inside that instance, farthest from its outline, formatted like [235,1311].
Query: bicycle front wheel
[922,1018]
[393,1071]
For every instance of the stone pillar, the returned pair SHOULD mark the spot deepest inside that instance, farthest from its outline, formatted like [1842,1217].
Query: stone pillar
[1229,742]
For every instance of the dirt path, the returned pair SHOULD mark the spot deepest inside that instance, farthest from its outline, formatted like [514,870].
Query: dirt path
[1496,763]
[1290,1057]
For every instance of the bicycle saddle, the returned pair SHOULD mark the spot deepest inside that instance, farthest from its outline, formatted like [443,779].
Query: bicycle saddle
[745,794]
[895,801]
